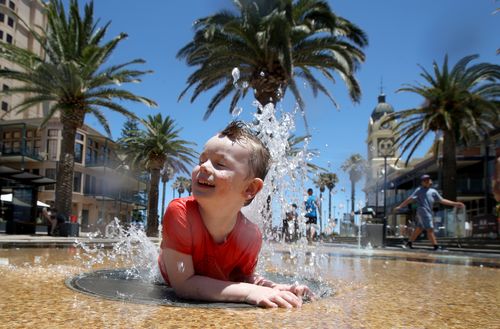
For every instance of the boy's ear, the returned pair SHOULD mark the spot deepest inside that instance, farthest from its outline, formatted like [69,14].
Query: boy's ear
[253,188]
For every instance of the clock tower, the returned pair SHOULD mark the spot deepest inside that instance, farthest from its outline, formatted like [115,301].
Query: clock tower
[381,150]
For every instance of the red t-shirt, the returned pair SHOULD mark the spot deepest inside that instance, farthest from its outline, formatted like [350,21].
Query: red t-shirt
[185,232]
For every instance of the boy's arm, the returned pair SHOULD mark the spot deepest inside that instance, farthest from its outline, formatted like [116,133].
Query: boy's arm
[187,284]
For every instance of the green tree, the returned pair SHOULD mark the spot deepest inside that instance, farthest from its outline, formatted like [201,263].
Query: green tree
[328,180]
[72,78]
[460,104]
[153,147]
[355,167]
[271,43]
[182,184]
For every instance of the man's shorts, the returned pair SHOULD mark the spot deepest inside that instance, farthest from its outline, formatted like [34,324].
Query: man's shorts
[311,220]
[424,222]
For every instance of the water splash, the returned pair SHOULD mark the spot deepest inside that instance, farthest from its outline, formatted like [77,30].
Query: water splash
[132,249]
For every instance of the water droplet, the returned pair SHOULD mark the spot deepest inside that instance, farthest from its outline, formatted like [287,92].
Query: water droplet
[236,74]
[180,267]
[237,111]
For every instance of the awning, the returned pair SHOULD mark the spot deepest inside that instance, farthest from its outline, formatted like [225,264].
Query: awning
[24,177]
[8,198]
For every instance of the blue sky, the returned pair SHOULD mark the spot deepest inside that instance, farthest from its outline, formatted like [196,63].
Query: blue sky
[402,34]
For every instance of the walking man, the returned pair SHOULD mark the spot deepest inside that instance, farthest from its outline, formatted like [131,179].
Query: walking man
[425,196]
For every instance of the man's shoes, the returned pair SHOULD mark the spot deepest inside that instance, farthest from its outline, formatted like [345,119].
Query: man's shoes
[439,248]
[409,244]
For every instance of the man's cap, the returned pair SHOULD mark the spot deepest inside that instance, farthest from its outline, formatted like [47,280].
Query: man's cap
[424,177]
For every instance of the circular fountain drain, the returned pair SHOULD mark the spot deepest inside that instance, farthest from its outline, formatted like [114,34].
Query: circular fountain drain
[127,286]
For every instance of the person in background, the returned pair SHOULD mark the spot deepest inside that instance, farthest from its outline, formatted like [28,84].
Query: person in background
[51,220]
[425,196]
[290,224]
[311,204]
[209,249]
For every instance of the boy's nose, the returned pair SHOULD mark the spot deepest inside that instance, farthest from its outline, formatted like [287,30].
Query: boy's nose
[204,167]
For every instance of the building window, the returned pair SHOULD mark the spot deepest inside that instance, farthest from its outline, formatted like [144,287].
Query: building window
[12,5]
[1,35]
[10,22]
[9,38]
[78,152]
[77,182]
[2,2]
[79,137]
[5,87]
[52,149]
[50,173]
[2,17]
[5,106]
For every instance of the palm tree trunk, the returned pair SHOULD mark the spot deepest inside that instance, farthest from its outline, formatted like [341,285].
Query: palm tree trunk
[449,184]
[163,198]
[353,193]
[152,229]
[64,180]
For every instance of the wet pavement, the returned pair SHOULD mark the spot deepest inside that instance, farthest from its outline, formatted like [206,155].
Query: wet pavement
[372,288]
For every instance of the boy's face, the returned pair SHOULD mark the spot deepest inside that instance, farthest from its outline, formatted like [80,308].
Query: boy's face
[223,173]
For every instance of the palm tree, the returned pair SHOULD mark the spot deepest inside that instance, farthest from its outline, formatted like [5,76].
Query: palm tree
[271,43]
[355,167]
[460,104]
[182,184]
[72,78]
[153,147]
[166,173]
[328,180]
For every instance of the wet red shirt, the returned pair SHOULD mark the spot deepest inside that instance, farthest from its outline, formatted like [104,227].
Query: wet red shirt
[184,231]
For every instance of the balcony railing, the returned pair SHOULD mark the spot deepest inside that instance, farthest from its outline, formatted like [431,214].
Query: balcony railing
[118,196]
[27,152]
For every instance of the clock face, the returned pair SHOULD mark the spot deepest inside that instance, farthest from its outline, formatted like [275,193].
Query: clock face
[386,147]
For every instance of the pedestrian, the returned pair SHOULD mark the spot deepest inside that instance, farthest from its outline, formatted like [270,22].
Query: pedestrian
[290,224]
[425,196]
[311,204]
[51,220]
[209,249]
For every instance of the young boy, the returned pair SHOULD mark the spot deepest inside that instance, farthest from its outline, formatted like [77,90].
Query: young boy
[209,249]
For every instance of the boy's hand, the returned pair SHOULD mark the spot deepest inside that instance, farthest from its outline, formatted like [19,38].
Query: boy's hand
[302,291]
[299,290]
[272,298]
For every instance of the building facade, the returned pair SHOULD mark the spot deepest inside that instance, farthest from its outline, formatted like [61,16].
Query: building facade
[104,187]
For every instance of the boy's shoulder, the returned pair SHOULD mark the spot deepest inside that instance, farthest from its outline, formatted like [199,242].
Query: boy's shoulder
[185,202]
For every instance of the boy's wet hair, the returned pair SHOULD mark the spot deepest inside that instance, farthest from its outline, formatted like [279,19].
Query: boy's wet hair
[260,158]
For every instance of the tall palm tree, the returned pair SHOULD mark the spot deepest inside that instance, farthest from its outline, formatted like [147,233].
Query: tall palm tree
[166,173]
[327,180]
[461,104]
[71,77]
[354,166]
[271,43]
[153,147]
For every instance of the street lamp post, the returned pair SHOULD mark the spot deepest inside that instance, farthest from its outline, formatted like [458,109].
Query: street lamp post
[385,201]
